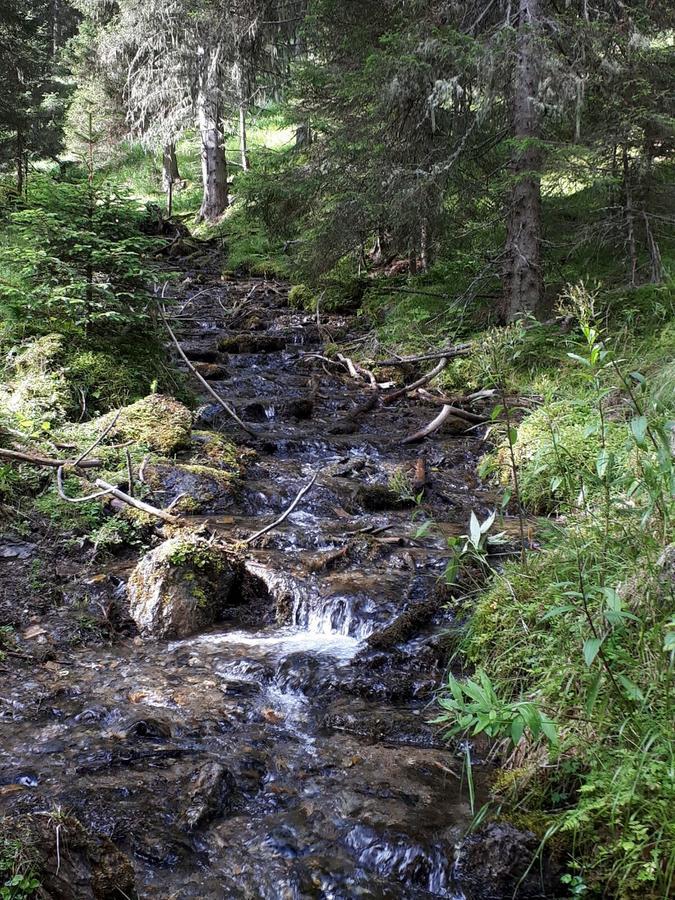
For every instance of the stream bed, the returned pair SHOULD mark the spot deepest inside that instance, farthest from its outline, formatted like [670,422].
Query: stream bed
[276,756]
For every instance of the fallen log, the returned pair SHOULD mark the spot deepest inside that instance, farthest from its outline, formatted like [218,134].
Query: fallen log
[425,379]
[449,352]
[137,504]
[47,461]
[456,411]
[434,425]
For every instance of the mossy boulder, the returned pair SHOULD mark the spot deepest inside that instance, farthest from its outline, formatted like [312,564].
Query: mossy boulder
[199,487]
[156,422]
[180,588]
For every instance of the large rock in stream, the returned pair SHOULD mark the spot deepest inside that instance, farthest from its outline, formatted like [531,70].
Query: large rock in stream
[180,588]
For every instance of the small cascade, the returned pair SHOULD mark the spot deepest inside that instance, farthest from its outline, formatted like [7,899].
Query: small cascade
[395,857]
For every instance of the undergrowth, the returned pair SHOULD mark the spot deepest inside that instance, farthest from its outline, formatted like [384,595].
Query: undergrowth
[573,645]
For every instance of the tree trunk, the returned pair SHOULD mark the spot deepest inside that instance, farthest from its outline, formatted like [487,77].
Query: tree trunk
[19,160]
[214,166]
[630,219]
[522,275]
[170,173]
[303,136]
[243,144]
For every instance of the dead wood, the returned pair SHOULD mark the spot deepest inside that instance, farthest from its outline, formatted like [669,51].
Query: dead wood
[285,514]
[434,425]
[448,352]
[225,405]
[425,379]
[47,461]
[456,411]
[137,504]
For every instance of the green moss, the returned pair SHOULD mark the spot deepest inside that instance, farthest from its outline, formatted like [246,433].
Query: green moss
[156,422]
[556,452]
[302,297]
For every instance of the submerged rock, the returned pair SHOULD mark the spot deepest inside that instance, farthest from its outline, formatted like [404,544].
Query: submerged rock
[179,588]
[209,795]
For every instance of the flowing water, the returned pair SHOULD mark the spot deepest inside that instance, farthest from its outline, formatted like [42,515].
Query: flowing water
[275,756]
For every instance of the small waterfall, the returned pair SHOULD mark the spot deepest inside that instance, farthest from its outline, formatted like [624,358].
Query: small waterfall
[395,858]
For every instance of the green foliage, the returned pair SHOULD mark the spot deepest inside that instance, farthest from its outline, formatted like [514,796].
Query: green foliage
[17,878]
[73,261]
[580,632]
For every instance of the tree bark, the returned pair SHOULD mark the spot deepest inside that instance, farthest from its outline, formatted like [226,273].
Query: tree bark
[19,160]
[170,173]
[214,165]
[629,218]
[522,275]
[303,136]
[243,143]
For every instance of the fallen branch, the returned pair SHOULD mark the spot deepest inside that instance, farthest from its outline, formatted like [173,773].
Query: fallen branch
[285,514]
[106,431]
[449,352]
[434,425]
[225,405]
[454,410]
[62,492]
[137,504]
[48,461]
[425,379]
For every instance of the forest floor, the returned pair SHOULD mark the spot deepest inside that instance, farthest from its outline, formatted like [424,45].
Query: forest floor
[285,750]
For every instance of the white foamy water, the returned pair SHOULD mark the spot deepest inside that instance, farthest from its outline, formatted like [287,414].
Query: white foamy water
[278,643]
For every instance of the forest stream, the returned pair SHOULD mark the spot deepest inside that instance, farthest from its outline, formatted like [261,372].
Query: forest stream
[277,755]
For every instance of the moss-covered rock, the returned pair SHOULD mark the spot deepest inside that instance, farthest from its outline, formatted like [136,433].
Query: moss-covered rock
[156,422]
[199,487]
[180,587]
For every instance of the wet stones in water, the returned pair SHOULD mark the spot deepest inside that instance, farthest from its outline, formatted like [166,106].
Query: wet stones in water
[493,863]
[210,794]
[212,371]
[252,343]
[393,727]
[180,588]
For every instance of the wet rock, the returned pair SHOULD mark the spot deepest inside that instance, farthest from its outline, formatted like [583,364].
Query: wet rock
[390,727]
[378,497]
[87,866]
[180,588]
[13,548]
[212,371]
[394,675]
[252,343]
[201,355]
[209,795]
[493,861]
[199,487]
[397,858]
